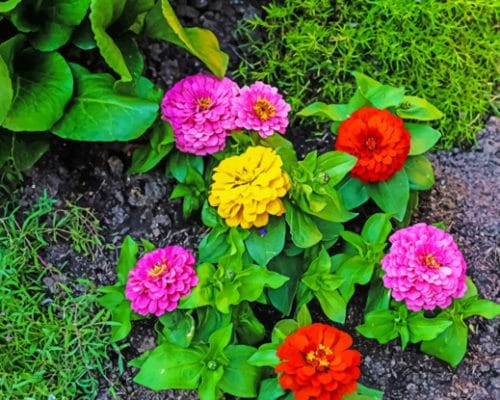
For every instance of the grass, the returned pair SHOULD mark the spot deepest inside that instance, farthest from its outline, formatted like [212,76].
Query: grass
[53,343]
[445,51]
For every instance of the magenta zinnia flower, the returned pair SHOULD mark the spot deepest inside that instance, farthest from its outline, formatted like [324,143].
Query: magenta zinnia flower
[424,268]
[199,108]
[159,279]
[261,108]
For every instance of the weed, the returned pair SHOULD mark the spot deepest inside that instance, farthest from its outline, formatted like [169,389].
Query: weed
[53,342]
[444,51]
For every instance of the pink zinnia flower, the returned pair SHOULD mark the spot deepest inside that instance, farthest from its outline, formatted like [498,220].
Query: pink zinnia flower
[199,108]
[159,279]
[261,108]
[424,268]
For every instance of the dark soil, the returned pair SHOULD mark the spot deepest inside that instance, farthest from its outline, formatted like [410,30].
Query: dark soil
[465,197]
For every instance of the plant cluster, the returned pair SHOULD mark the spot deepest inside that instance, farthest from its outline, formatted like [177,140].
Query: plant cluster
[443,49]
[53,342]
[278,238]
[44,89]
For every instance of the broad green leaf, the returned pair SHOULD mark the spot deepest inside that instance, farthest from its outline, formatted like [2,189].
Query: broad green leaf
[353,193]
[264,244]
[355,270]
[450,345]
[214,245]
[41,92]
[7,5]
[329,230]
[97,113]
[203,293]
[240,377]
[418,109]
[302,228]
[127,259]
[335,164]
[384,96]
[146,157]
[379,325]
[364,393]
[377,228]
[284,148]
[334,112]
[6,88]
[355,240]
[219,340]
[255,278]
[423,137]
[332,304]
[249,330]
[422,328]
[171,367]
[379,296]
[391,195]
[113,298]
[121,314]
[364,83]
[210,378]
[282,329]
[357,101]
[178,327]
[83,37]
[270,389]
[51,36]
[102,15]
[485,308]
[282,297]
[304,316]
[26,152]
[420,173]
[202,43]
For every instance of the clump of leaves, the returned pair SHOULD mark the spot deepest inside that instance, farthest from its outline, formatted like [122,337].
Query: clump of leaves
[443,49]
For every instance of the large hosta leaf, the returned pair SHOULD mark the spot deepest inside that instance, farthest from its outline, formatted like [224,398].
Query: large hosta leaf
[8,5]
[43,85]
[98,113]
[6,89]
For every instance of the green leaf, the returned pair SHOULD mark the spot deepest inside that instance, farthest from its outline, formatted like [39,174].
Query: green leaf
[127,259]
[6,88]
[377,228]
[203,293]
[357,101]
[8,5]
[214,245]
[423,137]
[334,112]
[121,314]
[207,389]
[332,304]
[282,297]
[422,328]
[304,316]
[240,377]
[219,340]
[97,113]
[335,164]
[329,230]
[391,195]
[171,367]
[418,109]
[284,148]
[379,325]
[364,83]
[450,345]
[253,280]
[263,247]
[83,37]
[113,298]
[420,173]
[270,389]
[364,393]
[146,157]
[178,328]
[485,308]
[302,228]
[384,96]
[41,92]
[282,329]
[202,43]
[353,193]
[102,15]
[25,153]
[379,296]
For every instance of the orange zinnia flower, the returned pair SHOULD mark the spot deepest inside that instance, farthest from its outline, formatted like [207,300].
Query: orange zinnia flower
[378,139]
[318,364]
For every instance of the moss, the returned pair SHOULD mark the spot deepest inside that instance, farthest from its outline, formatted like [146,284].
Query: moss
[443,51]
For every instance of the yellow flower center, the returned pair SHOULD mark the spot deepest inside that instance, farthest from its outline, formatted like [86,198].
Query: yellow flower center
[157,270]
[204,102]
[431,262]
[371,143]
[264,109]
[319,357]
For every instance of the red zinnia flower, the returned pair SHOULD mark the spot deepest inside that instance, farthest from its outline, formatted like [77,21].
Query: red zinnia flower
[378,139]
[318,364]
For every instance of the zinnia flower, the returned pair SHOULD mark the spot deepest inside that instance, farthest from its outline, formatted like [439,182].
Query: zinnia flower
[159,279]
[424,268]
[199,108]
[247,188]
[378,139]
[261,108]
[318,364]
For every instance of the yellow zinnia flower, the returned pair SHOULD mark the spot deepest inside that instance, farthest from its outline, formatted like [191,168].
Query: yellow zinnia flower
[247,188]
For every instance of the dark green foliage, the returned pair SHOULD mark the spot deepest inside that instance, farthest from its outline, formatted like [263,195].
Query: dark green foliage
[443,49]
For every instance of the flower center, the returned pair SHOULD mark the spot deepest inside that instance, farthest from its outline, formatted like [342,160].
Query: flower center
[371,143]
[204,102]
[264,109]
[157,270]
[319,357]
[431,262]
